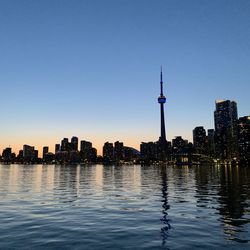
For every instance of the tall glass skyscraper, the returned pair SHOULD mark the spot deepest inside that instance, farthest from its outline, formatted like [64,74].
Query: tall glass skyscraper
[225,121]
[244,139]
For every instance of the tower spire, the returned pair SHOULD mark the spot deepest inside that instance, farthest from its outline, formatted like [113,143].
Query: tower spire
[161,83]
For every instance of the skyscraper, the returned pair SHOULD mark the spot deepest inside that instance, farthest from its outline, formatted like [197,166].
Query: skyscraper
[225,121]
[210,142]
[45,151]
[108,152]
[148,151]
[179,144]
[74,143]
[7,153]
[85,150]
[65,144]
[57,148]
[244,139]
[118,151]
[29,153]
[199,139]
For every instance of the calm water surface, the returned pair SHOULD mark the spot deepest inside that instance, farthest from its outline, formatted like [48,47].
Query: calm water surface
[124,207]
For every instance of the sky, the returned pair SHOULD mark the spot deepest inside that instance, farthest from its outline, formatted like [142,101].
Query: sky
[91,68]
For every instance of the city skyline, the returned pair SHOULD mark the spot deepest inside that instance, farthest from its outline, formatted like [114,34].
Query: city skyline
[91,69]
[222,141]
[125,124]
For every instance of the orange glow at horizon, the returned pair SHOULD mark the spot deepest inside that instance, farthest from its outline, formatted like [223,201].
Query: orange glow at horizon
[98,144]
[16,143]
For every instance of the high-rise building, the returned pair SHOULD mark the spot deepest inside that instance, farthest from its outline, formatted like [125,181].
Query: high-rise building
[148,151]
[35,154]
[179,145]
[85,146]
[244,139]
[93,155]
[65,144]
[57,148]
[85,150]
[29,153]
[74,143]
[45,151]
[118,151]
[108,151]
[20,156]
[225,121]
[199,139]
[7,154]
[210,143]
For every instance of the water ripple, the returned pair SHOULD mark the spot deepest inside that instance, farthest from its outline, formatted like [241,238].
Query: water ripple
[124,207]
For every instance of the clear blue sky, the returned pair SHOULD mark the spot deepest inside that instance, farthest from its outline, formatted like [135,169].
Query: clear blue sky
[91,68]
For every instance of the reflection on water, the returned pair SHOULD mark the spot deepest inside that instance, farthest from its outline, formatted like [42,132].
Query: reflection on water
[165,207]
[127,207]
[234,201]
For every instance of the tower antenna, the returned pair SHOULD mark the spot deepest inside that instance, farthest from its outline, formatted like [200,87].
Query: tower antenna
[161,83]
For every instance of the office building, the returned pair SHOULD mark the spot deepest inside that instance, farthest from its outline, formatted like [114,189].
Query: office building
[149,151]
[225,121]
[57,148]
[7,155]
[199,140]
[85,150]
[244,139]
[108,152]
[45,151]
[118,151]
[210,143]
[29,153]
[179,145]
[74,143]
[65,144]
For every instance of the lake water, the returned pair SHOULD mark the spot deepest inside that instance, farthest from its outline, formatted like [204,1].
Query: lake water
[124,207]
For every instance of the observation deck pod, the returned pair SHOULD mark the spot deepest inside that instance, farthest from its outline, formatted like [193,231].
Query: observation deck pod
[161,99]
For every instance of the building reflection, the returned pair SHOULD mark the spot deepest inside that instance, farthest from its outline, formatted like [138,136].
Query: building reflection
[233,195]
[118,178]
[136,183]
[49,176]
[37,177]
[98,179]
[214,195]
[67,188]
[12,179]
[108,177]
[226,190]
[165,206]
[206,179]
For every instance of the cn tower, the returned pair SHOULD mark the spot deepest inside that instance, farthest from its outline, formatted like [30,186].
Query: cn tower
[161,101]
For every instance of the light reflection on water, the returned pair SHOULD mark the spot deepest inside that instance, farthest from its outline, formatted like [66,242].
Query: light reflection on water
[124,207]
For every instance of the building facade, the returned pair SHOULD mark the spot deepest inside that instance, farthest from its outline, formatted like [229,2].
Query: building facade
[74,143]
[199,140]
[225,121]
[244,139]
[108,152]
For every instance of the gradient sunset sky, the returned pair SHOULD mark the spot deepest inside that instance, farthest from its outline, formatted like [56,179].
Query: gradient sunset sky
[91,68]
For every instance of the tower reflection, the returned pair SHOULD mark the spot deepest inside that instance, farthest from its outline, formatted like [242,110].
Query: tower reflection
[165,206]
